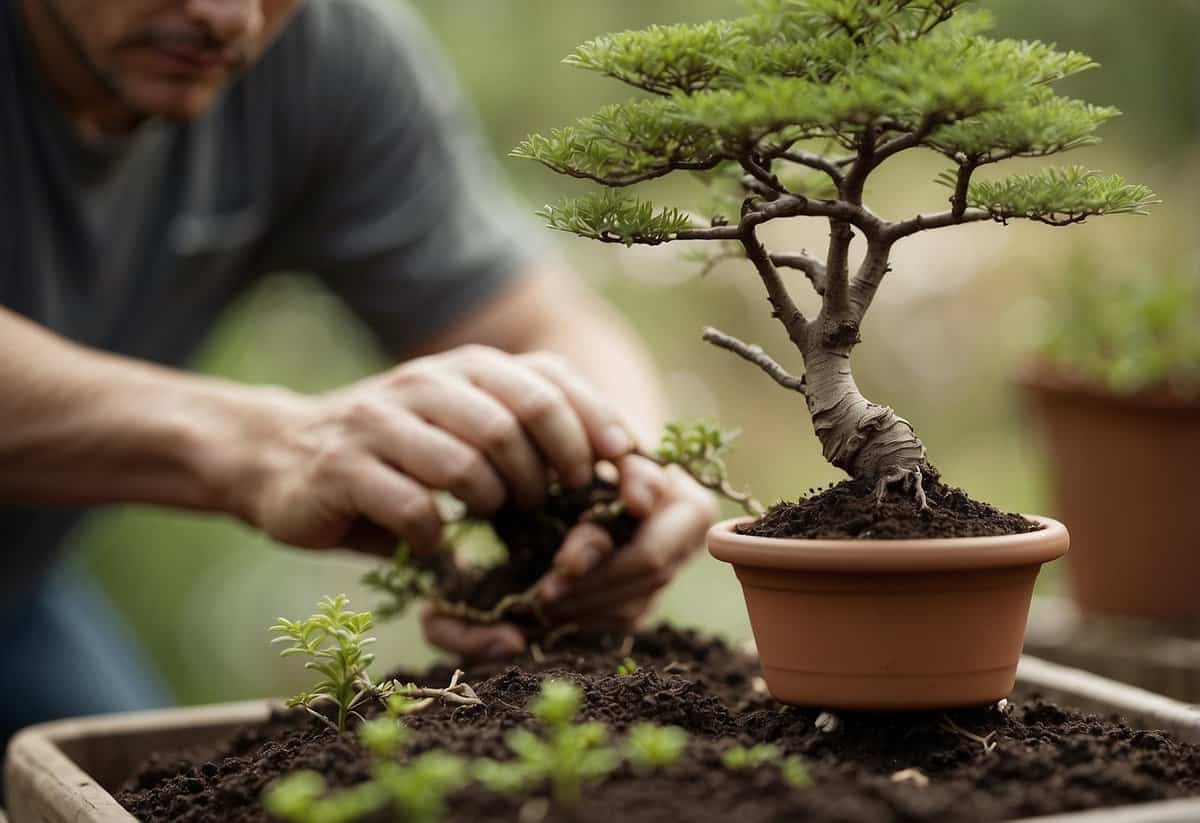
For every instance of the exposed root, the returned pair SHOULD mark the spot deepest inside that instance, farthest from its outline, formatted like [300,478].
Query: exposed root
[559,632]
[524,602]
[913,483]
[458,692]
[985,741]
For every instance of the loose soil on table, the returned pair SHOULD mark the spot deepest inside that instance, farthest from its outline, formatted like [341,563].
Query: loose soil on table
[1047,758]
[848,510]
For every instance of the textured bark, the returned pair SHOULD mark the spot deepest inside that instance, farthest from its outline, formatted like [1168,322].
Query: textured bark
[862,438]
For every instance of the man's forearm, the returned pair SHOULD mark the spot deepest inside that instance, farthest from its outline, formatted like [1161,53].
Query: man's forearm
[79,426]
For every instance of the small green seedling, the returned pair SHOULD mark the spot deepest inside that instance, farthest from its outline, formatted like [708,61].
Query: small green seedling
[739,757]
[699,448]
[417,792]
[627,667]
[795,773]
[569,756]
[334,641]
[302,797]
[649,747]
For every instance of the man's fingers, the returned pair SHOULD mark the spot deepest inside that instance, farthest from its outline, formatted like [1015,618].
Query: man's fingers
[540,405]
[397,503]
[609,436]
[478,419]
[436,458]
[584,548]
[471,640]
[661,542]
[642,483]
[369,538]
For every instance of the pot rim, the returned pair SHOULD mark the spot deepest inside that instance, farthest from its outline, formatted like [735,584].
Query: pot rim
[946,554]
[1041,375]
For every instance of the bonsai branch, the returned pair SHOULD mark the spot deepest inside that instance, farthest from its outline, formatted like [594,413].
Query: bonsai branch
[891,232]
[820,163]
[755,354]
[813,268]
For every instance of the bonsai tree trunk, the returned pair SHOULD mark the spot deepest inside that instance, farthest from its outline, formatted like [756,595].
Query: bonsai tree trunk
[864,439]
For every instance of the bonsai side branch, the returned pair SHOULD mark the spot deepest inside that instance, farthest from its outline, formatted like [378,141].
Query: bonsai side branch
[755,355]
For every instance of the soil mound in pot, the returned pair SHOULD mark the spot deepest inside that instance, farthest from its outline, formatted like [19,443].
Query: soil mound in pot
[848,510]
[1046,758]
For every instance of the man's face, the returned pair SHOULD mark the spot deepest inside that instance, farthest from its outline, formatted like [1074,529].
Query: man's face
[168,57]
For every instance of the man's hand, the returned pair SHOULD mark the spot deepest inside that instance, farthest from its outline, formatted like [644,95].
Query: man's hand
[592,583]
[357,468]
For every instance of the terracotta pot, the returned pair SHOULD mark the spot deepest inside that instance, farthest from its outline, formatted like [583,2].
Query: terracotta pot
[1125,473]
[889,624]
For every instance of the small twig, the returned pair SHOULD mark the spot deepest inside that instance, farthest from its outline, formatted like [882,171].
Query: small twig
[535,651]
[757,356]
[457,692]
[984,741]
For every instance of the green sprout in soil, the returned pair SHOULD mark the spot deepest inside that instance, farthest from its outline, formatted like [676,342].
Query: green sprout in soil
[649,747]
[333,641]
[795,773]
[413,792]
[627,667]
[739,758]
[789,113]
[570,756]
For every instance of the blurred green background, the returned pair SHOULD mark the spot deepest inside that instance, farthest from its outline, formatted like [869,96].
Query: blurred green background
[948,329]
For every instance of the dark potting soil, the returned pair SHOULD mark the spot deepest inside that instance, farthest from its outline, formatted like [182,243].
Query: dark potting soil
[848,510]
[1046,759]
[531,540]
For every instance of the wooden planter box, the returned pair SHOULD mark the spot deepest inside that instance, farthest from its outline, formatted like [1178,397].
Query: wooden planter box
[1161,657]
[62,772]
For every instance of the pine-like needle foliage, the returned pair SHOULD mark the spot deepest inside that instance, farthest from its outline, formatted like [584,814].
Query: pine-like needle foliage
[870,78]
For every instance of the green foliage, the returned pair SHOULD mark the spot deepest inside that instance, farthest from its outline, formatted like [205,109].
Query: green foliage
[1058,196]
[739,757]
[699,448]
[862,74]
[1044,124]
[627,667]
[417,791]
[623,144]
[614,217]
[414,792]
[660,59]
[302,797]
[569,757]
[333,641]
[649,747]
[1128,333]
[795,773]
[401,582]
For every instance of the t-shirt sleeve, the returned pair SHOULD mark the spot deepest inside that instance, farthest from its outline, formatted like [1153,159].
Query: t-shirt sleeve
[402,212]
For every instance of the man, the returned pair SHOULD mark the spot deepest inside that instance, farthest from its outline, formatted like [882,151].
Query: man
[158,155]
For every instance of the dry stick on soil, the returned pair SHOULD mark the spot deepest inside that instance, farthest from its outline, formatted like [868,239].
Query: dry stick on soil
[902,81]
[459,693]
[985,741]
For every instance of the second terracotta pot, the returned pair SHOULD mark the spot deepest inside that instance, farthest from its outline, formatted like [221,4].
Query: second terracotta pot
[889,624]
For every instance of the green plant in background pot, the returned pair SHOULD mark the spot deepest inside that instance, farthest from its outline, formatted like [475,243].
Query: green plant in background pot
[787,114]
[1116,387]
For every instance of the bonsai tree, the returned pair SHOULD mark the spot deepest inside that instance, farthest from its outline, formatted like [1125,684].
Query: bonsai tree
[797,105]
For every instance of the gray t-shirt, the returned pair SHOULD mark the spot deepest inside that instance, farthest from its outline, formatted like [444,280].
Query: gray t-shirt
[345,151]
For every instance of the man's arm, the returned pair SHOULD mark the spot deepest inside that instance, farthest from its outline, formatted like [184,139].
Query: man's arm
[353,468]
